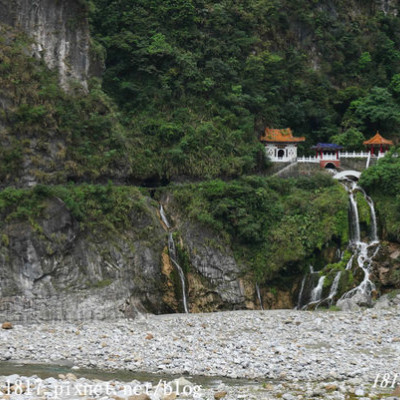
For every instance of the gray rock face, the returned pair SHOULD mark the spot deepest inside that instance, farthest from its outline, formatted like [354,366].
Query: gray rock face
[214,263]
[57,271]
[60,31]
[354,303]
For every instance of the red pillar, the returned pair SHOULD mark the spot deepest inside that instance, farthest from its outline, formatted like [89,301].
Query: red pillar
[372,150]
[381,149]
[337,154]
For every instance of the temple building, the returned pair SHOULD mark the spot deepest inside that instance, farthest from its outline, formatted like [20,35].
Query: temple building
[280,144]
[328,154]
[378,146]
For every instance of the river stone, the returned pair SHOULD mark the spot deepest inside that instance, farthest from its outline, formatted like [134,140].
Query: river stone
[382,303]
[139,397]
[7,325]
[353,303]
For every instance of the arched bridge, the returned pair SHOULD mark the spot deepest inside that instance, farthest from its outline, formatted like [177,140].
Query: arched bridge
[347,174]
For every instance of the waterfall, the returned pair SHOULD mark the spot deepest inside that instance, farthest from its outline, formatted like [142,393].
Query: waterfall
[173,258]
[354,217]
[164,217]
[308,286]
[303,282]
[350,263]
[374,230]
[316,293]
[363,255]
[363,252]
[334,287]
[259,296]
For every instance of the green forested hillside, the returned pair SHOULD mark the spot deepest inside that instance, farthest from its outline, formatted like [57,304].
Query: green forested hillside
[189,86]
[197,81]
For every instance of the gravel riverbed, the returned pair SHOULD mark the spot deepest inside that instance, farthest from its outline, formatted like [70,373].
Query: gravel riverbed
[274,354]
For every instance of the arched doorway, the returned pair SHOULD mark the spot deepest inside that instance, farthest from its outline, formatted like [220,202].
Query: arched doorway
[281,153]
[330,166]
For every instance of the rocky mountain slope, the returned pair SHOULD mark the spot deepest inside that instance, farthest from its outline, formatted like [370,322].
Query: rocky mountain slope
[79,241]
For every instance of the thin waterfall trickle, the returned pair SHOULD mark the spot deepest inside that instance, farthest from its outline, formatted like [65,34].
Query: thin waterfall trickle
[164,217]
[303,282]
[374,225]
[316,294]
[259,296]
[334,287]
[173,258]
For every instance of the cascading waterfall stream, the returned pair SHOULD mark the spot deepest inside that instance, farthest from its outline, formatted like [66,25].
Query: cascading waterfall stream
[173,258]
[363,255]
[363,252]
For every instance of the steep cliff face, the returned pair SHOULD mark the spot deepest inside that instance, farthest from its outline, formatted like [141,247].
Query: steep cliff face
[54,269]
[60,31]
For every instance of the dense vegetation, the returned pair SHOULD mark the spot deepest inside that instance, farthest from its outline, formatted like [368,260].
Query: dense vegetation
[382,181]
[189,86]
[48,134]
[274,225]
[198,80]
[103,209]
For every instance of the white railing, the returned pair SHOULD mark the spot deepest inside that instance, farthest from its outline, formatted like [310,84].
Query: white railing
[308,160]
[313,159]
[283,159]
[354,154]
[332,157]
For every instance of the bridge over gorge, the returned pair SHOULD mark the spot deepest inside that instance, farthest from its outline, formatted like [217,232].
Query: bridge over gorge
[354,175]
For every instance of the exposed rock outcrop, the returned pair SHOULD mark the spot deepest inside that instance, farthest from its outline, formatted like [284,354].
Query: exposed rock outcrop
[213,261]
[57,271]
[386,269]
[61,33]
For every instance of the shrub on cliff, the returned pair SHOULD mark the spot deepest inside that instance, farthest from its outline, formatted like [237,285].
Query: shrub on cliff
[271,223]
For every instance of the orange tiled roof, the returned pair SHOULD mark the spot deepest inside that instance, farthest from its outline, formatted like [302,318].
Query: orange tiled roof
[378,139]
[280,135]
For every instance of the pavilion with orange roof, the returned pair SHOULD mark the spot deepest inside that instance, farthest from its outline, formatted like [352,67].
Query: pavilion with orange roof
[378,145]
[280,144]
